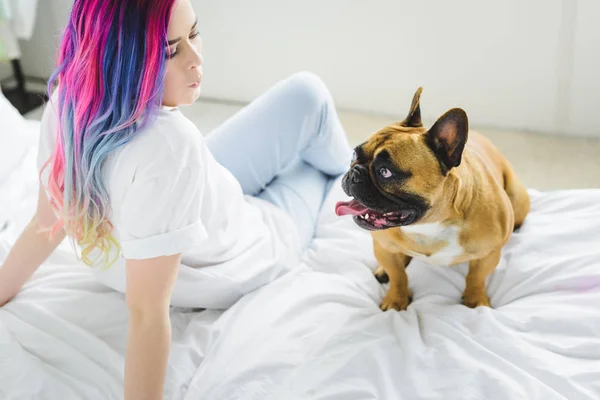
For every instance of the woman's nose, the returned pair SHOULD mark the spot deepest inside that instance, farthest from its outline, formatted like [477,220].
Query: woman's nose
[196,57]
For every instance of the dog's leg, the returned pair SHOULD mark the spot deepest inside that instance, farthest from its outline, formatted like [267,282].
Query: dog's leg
[475,293]
[381,275]
[393,265]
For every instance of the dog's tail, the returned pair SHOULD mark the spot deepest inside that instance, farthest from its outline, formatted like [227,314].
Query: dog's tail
[517,192]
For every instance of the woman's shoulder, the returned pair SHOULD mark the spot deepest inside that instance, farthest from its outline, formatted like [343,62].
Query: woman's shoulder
[159,152]
[169,136]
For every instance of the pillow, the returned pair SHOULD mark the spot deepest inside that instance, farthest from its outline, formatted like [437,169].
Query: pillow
[17,136]
[18,147]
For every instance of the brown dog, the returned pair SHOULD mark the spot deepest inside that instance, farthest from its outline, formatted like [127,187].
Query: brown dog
[434,195]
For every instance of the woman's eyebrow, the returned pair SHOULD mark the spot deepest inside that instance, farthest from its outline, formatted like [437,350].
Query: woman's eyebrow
[179,38]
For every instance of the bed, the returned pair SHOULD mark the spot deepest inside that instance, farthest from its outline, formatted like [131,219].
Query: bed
[317,332]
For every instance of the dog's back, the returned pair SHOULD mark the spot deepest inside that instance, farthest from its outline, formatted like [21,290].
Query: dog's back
[503,171]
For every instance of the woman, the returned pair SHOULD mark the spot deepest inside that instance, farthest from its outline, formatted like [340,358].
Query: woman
[159,212]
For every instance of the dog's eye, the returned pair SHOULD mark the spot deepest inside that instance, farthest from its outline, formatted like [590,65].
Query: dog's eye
[386,173]
[354,156]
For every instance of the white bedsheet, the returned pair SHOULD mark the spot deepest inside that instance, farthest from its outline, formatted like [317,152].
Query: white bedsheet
[318,333]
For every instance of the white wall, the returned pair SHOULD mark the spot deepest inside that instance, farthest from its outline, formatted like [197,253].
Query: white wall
[584,91]
[39,53]
[504,62]
[529,65]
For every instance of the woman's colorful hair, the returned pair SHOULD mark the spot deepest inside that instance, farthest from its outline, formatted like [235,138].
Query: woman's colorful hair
[110,74]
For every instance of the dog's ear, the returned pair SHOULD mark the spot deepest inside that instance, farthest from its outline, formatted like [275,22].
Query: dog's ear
[447,138]
[413,119]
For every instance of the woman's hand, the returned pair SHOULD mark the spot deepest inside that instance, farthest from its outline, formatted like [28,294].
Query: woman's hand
[149,286]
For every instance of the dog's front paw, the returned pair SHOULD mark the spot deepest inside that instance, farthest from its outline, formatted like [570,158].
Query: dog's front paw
[475,299]
[381,275]
[396,301]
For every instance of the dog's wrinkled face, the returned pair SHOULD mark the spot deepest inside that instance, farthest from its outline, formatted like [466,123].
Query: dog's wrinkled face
[396,174]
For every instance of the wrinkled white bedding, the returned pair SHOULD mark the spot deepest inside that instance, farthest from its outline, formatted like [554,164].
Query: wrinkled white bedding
[318,333]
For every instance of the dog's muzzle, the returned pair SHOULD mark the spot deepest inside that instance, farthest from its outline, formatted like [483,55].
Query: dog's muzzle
[356,175]
[359,173]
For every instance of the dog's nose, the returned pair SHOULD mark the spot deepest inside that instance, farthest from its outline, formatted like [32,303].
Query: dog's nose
[359,173]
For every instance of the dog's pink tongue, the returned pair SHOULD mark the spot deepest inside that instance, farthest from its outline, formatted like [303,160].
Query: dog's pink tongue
[351,207]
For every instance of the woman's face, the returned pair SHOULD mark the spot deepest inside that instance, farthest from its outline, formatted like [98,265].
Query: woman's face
[184,67]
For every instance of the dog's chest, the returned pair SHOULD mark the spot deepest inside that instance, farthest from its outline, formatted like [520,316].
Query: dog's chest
[434,243]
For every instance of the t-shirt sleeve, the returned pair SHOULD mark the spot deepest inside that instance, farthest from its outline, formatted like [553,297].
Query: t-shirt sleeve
[160,213]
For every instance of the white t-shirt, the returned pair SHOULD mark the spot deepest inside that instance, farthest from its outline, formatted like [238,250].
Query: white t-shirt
[168,195]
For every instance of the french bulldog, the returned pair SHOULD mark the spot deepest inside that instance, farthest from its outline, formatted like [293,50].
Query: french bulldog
[444,195]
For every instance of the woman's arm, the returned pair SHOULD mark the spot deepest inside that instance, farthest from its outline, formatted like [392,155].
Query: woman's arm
[149,286]
[30,250]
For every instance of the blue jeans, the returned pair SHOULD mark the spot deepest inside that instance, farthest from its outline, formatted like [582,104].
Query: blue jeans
[286,147]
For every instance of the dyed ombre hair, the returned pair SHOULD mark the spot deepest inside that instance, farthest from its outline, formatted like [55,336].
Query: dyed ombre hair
[110,73]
